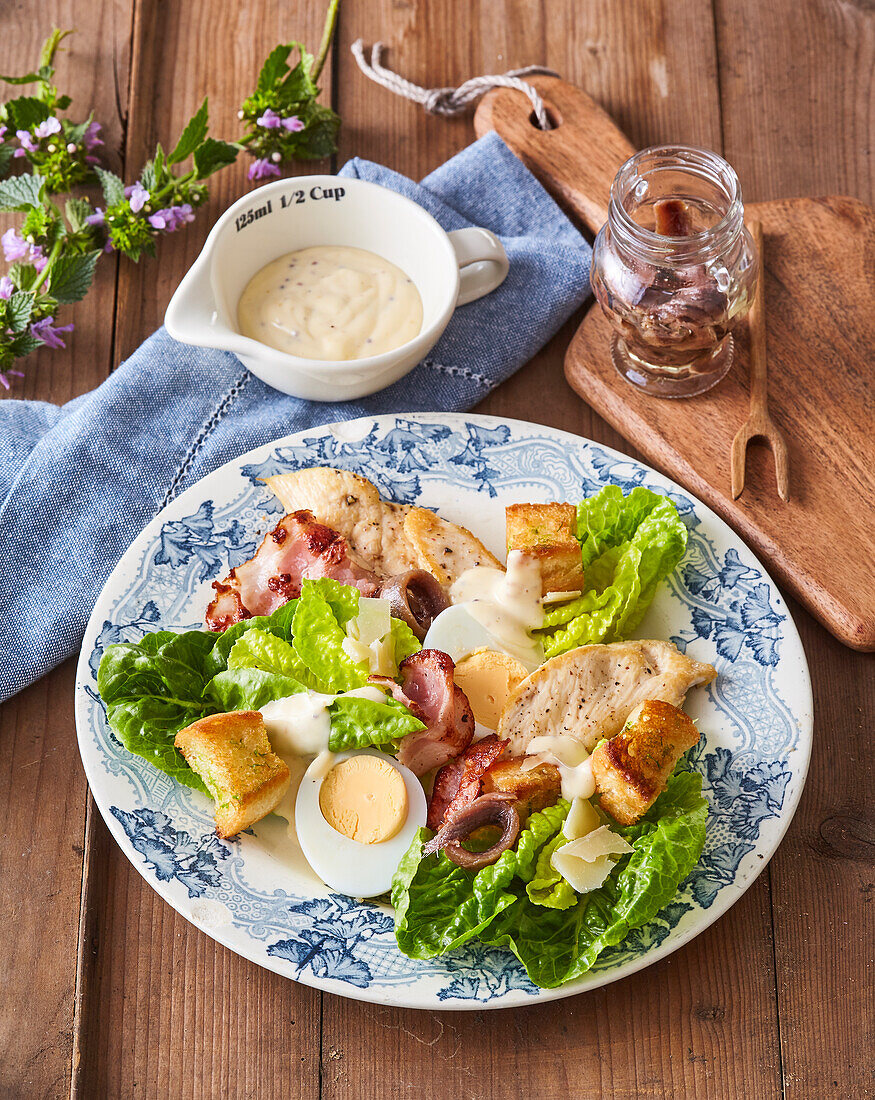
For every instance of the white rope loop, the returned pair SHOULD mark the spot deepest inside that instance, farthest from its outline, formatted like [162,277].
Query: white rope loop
[450,102]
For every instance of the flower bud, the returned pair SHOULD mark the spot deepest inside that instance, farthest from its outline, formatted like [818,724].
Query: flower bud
[275,157]
[71,148]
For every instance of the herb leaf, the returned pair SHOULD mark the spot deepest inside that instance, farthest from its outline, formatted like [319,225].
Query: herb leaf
[72,275]
[212,155]
[113,188]
[21,192]
[192,136]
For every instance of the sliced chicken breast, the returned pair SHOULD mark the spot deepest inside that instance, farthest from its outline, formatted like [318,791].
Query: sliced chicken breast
[588,693]
[351,505]
[388,538]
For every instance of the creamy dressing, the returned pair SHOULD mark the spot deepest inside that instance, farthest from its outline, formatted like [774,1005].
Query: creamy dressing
[300,725]
[572,760]
[330,302]
[507,605]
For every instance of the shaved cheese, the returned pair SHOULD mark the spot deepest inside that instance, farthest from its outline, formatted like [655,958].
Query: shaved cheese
[560,597]
[369,637]
[585,863]
[582,819]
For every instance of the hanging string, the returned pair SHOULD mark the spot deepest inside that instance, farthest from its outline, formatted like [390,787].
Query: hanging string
[451,101]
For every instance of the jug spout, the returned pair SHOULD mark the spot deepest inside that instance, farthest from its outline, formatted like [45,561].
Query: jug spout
[192,317]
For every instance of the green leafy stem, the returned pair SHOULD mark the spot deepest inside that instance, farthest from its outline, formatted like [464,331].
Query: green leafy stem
[53,253]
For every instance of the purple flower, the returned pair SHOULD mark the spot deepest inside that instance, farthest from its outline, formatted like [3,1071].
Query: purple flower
[2,133]
[4,377]
[26,140]
[16,248]
[48,332]
[262,168]
[270,120]
[49,126]
[294,124]
[138,196]
[90,139]
[7,288]
[97,218]
[172,218]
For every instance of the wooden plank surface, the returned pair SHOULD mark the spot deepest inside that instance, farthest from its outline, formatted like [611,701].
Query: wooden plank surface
[797,109]
[164,1010]
[42,786]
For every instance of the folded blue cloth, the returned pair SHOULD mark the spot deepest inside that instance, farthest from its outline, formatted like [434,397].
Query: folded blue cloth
[78,482]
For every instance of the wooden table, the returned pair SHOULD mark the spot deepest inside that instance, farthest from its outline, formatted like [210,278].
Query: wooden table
[105,990]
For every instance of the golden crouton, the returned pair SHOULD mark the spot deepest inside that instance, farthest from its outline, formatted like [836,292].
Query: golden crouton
[631,769]
[545,532]
[442,548]
[535,789]
[232,755]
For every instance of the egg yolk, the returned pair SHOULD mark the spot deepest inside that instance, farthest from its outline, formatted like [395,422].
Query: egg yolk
[488,678]
[365,799]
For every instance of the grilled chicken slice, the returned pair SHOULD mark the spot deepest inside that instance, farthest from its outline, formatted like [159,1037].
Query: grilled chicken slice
[443,548]
[352,506]
[389,538]
[631,769]
[588,693]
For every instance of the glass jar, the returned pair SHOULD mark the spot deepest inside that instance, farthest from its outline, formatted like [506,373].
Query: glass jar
[674,269]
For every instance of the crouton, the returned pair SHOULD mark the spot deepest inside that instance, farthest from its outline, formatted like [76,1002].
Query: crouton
[535,789]
[631,770]
[545,532]
[232,755]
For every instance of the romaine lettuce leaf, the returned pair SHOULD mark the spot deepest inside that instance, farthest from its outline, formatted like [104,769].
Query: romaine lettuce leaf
[250,688]
[317,628]
[258,648]
[439,906]
[361,723]
[406,642]
[628,545]
[152,689]
[548,888]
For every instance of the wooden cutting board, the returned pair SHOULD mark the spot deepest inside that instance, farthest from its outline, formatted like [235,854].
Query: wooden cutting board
[820,305]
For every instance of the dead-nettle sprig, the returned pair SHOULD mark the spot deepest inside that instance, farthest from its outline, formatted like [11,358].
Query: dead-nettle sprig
[54,252]
[283,120]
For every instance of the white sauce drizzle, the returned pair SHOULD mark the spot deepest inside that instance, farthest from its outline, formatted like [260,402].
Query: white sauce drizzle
[300,725]
[572,760]
[330,302]
[506,604]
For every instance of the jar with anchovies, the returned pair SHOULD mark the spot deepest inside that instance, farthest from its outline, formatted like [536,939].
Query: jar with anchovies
[674,269]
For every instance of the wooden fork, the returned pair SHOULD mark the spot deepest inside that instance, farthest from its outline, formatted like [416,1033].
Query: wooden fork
[759,424]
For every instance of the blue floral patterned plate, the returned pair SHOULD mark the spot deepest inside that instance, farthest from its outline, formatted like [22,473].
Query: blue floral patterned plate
[256,895]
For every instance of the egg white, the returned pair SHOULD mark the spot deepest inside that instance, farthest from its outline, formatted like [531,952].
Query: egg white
[345,865]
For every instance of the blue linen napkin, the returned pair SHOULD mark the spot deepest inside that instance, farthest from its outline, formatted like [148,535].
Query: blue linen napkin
[79,481]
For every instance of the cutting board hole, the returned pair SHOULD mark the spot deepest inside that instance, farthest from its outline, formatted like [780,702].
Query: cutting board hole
[552,114]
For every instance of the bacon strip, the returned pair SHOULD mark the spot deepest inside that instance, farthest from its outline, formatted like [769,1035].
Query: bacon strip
[297,548]
[428,691]
[458,783]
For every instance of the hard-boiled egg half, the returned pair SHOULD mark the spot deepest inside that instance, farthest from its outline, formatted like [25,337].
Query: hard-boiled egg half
[356,815]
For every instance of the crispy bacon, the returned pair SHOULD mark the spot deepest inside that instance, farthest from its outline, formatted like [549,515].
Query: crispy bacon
[428,691]
[458,783]
[297,548]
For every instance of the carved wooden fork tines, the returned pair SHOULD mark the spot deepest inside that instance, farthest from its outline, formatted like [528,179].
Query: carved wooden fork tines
[759,425]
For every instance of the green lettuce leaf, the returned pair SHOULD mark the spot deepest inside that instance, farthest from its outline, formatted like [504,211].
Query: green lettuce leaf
[152,689]
[406,642]
[628,545]
[258,648]
[439,906]
[318,634]
[279,623]
[250,688]
[362,723]
[548,888]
